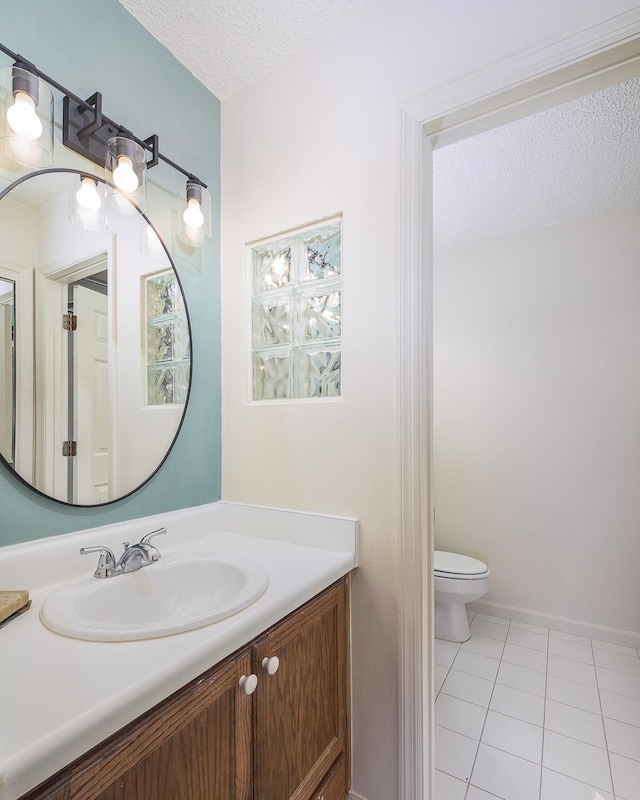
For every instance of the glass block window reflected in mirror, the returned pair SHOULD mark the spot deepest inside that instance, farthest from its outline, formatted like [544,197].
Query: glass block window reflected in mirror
[167,341]
[296,314]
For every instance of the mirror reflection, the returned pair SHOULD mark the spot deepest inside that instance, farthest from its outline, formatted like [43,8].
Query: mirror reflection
[7,369]
[95,349]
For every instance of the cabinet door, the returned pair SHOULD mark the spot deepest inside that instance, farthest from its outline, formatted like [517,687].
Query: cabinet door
[196,745]
[301,711]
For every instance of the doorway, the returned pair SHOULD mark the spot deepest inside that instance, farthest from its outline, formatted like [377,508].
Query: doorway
[536,462]
[542,78]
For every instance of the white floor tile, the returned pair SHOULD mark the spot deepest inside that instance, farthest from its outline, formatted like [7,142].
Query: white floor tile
[528,680]
[575,722]
[532,628]
[493,618]
[616,648]
[505,775]
[623,739]
[626,776]
[460,716]
[468,687]
[618,682]
[570,637]
[516,703]
[513,736]
[568,649]
[484,646]
[536,641]
[573,694]
[616,706]
[621,662]
[585,692]
[445,652]
[578,760]
[455,753]
[476,664]
[560,787]
[489,629]
[440,673]
[478,794]
[525,657]
[448,788]
[572,670]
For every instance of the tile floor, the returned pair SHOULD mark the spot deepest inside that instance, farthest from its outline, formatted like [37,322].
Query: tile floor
[527,713]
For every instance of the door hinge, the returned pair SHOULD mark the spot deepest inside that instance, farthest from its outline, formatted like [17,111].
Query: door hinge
[70,448]
[69,322]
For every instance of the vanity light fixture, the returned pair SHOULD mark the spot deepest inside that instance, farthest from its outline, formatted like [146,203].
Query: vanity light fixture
[21,115]
[196,216]
[27,126]
[87,207]
[126,166]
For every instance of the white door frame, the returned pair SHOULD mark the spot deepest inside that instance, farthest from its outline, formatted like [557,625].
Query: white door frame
[24,421]
[480,101]
[51,368]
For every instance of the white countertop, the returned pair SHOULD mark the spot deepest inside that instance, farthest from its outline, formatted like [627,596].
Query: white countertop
[59,697]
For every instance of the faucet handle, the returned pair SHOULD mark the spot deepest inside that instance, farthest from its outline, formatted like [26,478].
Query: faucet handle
[147,537]
[106,562]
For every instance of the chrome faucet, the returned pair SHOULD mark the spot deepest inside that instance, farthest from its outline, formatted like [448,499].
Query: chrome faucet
[134,557]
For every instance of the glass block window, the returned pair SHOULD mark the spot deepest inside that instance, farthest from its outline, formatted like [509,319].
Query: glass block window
[168,344]
[296,314]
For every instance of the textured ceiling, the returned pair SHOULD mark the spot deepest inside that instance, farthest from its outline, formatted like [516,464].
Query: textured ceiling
[39,190]
[576,159]
[228,44]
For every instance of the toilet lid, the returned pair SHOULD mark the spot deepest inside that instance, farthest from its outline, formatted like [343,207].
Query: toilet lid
[454,564]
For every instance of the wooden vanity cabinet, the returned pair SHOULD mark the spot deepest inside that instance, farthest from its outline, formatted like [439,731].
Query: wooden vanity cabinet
[195,745]
[300,713]
[211,741]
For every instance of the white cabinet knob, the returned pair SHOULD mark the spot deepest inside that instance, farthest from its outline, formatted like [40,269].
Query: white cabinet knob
[271,664]
[248,683]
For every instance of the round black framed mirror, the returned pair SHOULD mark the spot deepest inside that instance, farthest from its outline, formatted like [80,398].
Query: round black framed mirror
[95,341]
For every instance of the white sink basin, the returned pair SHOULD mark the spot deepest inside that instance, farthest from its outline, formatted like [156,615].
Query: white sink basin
[169,596]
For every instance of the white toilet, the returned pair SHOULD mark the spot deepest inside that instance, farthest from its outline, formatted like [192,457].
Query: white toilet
[457,580]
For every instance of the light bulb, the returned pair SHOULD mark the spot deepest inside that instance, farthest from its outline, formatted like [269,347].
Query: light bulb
[193,216]
[87,195]
[124,175]
[22,117]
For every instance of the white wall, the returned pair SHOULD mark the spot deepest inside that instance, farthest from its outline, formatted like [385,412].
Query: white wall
[537,415]
[315,137]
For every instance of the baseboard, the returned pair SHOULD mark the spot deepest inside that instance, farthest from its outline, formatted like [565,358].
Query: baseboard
[355,796]
[564,624]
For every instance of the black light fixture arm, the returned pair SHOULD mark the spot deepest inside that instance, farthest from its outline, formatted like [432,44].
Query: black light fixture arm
[78,129]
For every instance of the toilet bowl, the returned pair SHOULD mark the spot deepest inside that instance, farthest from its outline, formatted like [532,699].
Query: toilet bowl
[457,580]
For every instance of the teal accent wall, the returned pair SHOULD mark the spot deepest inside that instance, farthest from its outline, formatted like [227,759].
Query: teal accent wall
[90,45]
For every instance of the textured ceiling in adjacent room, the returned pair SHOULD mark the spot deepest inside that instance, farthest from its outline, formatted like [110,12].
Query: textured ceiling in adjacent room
[228,44]
[580,158]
